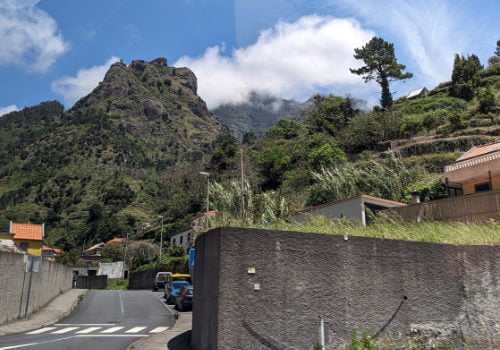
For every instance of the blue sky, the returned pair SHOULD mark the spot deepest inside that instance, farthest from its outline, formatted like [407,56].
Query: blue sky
[61,49]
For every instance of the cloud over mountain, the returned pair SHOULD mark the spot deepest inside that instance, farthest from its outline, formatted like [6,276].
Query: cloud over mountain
[292,60]
[85,80]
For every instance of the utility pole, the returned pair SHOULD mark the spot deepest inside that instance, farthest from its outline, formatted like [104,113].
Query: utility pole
[207,175]
[242,186]
[161,236]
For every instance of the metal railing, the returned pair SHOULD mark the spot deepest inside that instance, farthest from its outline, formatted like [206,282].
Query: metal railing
[471,162]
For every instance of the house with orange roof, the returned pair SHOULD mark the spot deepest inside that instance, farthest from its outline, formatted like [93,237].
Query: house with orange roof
[28,237]
[49,253]
[117,240]
[477,170]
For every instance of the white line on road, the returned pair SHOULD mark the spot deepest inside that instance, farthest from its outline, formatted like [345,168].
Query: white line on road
[41,330]
[88,330]
[135,330]
[18,346]
[64,330]
[112,329]
[84,324]
[110,336]
[158,329]
[121,303]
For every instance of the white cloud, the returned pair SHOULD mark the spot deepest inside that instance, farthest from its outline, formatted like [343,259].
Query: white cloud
[8,109]
[29,36]
[430,32]
[85,80]
[292,60]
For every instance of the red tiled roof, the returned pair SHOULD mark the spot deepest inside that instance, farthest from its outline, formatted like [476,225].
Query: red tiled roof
[116,240]
[480,150]
[30,232]
[50,249]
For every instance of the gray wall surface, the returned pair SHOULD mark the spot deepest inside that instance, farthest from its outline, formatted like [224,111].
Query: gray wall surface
[477,207]
[112,270]
[52,279]
[350,208]
[387,287]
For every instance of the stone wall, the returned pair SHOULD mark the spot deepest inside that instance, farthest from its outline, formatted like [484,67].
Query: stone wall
[263,289]
[52,280]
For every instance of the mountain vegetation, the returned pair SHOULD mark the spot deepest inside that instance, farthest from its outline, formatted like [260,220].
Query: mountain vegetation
[122,155]
[250,119]
[128,155]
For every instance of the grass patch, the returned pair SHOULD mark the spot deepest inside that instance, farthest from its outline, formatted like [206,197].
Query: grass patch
[433,232]
[117,285]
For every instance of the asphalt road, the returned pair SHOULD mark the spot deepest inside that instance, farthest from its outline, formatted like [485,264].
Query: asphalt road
[106,320]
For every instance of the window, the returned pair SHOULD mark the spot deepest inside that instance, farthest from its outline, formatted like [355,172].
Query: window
[181,239]
[173,241]
[24,246]
[485,186]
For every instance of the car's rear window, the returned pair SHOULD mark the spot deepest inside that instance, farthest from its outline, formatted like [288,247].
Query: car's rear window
[179,284]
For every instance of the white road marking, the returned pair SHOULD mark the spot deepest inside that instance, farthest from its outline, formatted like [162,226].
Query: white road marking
[121,303]
[84,324]
[135,330]
[112,329]
[158,329]
[88,330]
[64,330]
[41,330]
[18,346]
[110,336]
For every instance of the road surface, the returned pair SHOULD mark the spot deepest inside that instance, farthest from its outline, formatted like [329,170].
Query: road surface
[106,320]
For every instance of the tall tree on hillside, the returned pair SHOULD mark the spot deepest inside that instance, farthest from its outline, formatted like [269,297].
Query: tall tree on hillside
[464,76]
[380,65]
[497,51]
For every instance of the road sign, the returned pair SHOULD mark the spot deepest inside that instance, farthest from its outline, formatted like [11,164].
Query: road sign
[191,258]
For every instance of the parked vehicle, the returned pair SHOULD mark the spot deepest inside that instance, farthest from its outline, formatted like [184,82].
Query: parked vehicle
[162,278]
[184,300]
[173,290]
[181,277]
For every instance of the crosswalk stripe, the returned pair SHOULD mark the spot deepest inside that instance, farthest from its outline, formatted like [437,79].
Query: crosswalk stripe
[158,329]
[41,330]
[111,330]
[88,330]
[64,330]
[135,330]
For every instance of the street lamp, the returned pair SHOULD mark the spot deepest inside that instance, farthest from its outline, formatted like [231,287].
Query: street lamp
[207,175]
[161,234]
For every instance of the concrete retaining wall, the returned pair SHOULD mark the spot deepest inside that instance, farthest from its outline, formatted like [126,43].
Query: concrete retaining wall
[478,207]
[92,282]
[387,287]
[52,279]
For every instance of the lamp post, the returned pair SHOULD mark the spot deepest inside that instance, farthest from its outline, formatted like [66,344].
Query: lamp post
[161,235]
[207,175]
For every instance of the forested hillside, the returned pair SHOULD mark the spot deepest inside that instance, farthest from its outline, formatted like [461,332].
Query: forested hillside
[131,151]
[118,158]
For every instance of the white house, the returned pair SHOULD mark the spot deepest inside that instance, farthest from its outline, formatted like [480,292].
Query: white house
[352,208]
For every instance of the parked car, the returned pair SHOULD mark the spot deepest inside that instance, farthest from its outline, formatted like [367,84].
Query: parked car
[184,300]
[173,289]
[162,278]
[181,277]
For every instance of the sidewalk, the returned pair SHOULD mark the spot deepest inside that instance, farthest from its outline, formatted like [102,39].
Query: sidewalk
[60,307]
[176,338]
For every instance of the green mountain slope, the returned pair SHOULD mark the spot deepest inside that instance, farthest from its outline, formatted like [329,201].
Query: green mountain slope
[122,155]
